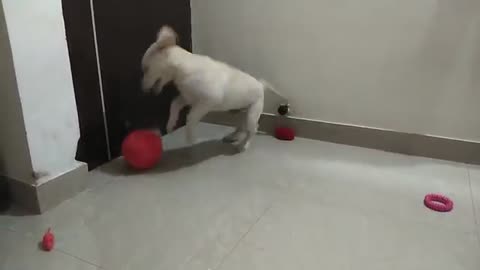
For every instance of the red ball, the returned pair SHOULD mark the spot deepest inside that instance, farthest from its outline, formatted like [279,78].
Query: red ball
[48,241]
[142,149]
[285,133]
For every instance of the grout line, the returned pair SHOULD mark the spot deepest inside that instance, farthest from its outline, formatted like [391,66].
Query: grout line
[472,197]
[30,238]
[222,261]
[8,229]
[78,258]
[474,208]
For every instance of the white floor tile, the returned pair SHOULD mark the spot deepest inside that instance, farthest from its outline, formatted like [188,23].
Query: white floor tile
[326,206]
[22,253]
[384,183]
[304,234]
[474,172]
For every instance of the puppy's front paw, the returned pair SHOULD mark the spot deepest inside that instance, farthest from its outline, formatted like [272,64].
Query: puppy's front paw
[156,131]
[170,128]
[156,91]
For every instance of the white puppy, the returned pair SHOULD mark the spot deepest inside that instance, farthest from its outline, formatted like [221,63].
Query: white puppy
[204,84]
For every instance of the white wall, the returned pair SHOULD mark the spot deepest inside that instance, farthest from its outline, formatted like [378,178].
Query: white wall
[406,65]
[14,153]
[40,55]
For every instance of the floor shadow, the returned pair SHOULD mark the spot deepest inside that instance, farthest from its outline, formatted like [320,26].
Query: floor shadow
[5,197]
[14,210]
[175,159]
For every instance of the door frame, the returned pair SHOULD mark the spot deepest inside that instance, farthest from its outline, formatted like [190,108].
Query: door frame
[99,82]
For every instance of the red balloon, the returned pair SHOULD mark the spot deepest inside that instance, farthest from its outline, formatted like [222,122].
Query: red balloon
[142,149]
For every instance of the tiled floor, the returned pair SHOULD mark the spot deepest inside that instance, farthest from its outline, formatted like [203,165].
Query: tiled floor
[299,205]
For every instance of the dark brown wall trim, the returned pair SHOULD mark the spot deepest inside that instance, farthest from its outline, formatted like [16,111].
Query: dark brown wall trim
[386,140]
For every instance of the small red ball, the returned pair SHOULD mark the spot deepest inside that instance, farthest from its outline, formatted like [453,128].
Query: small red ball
[285,133]
[48,241]
[142,149]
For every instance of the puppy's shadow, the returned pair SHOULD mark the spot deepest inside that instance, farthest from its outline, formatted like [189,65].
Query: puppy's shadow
[175,159]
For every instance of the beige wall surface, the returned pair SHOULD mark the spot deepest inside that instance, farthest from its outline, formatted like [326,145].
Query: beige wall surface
[42,66]
[14,153]
[405,65]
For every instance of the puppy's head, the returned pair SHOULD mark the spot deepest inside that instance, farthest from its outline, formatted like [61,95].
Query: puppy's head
[156,64]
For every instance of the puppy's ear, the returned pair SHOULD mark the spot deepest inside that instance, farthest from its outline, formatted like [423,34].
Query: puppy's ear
[166,37]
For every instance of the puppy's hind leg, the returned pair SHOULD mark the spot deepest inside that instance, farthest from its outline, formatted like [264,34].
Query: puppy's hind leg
[236,135]
[253,115]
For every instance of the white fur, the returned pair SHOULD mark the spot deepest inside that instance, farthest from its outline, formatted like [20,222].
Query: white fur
[204,84]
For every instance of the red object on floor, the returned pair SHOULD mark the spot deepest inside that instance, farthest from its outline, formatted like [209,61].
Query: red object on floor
[439,203]
[48,241]
[285,133]
[142,149]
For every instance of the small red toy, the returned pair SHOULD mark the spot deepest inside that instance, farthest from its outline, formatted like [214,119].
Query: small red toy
[285,133]
[142,149]
[439,203]
[48,241]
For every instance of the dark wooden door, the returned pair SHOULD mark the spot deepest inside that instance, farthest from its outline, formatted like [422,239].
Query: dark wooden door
[92,145]
[124,30]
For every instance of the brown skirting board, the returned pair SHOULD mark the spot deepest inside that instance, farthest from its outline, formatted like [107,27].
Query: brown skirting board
[386,140]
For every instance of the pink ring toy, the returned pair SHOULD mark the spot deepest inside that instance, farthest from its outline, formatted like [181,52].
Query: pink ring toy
[438,203]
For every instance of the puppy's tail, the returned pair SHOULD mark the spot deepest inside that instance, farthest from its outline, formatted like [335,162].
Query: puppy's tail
[269,87]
